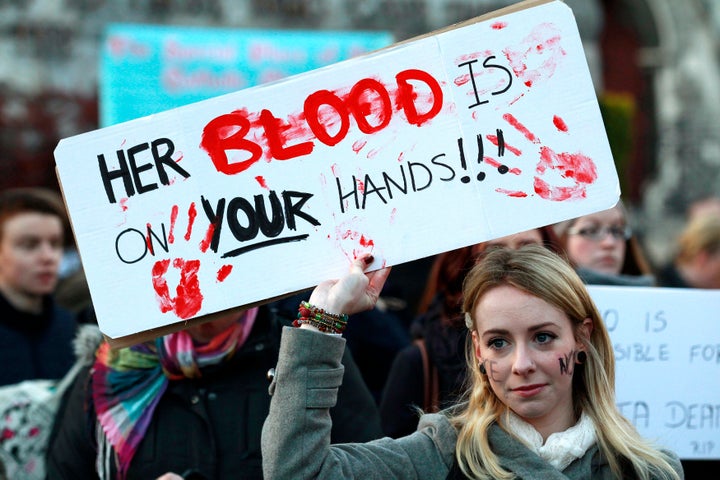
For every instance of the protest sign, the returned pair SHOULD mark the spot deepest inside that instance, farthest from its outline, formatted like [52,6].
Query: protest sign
[667,363]
[146,69]
[476,132]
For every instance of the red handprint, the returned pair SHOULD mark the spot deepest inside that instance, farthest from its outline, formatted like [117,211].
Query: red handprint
[575,166]
[188,299]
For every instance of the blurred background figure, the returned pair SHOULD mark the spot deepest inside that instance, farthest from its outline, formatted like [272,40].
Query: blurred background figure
[709,205]
[602,248]
[192,403]
[431,372]
[73,292]
[35,334]
[696,263]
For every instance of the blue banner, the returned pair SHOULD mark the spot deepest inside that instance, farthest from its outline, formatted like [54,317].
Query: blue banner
[146,69]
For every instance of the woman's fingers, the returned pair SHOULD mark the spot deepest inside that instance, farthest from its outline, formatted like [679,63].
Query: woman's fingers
[355,292]
[377,280]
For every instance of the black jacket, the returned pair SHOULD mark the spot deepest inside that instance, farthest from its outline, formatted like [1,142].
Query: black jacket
[35,346]
[405,387]
[209,427]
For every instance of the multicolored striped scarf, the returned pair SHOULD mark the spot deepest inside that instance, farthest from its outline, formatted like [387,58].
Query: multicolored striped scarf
[127,384]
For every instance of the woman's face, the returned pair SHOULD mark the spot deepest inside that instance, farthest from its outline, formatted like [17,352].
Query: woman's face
[204,332]
[31,248]
[513,241]
[597,241]
[529,351]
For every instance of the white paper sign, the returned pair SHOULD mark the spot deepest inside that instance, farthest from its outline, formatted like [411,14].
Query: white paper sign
[667,357]
[480,131]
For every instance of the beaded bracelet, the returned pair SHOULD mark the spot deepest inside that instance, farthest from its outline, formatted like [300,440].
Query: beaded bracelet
[320,319]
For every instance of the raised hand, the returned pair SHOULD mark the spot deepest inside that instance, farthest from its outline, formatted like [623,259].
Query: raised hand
[357,291]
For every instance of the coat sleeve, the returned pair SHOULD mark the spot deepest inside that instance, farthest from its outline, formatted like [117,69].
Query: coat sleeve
[354,398]
[296,434]
[71,453]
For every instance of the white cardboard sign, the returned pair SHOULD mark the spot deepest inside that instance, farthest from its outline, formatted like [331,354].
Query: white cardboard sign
[482,130]
[667,357]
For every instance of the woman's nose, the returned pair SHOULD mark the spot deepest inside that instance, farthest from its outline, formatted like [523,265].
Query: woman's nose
[523,362]
[50,252]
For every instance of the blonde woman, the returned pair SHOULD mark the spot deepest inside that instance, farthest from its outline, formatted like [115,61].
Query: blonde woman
[540,405]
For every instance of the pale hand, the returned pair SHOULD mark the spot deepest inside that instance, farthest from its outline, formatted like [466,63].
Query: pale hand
[356,292]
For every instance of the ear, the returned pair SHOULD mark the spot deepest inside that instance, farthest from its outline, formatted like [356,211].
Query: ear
[476,346]
[584,330]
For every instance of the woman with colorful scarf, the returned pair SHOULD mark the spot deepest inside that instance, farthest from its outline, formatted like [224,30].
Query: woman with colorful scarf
[192,402]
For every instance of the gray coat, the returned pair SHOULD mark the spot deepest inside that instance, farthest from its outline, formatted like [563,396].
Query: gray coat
[296,433]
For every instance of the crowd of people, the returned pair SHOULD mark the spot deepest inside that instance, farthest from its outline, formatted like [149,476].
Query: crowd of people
[465,385]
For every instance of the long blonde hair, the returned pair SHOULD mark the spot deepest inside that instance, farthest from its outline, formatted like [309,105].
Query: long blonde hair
[539,272]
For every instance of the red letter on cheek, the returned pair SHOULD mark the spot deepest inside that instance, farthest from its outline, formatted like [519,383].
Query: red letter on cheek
[407,96]
[227,132]
[312,114]
[273,130]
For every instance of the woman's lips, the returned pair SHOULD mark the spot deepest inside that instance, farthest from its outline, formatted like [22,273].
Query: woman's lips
[528,390]
[46,277]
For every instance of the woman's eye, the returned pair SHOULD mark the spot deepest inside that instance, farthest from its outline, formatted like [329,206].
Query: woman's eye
[544,337]
[496,343]
[588,231]
[28,244]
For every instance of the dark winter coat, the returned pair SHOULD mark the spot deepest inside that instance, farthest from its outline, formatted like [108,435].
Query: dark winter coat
[405,387]
[209,427]
[35,346]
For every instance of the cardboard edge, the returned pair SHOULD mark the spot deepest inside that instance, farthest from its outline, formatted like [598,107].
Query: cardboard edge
[67,209]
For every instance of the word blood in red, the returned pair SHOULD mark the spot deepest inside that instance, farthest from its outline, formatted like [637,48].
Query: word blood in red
[188,299]
[369,103]
[129,170]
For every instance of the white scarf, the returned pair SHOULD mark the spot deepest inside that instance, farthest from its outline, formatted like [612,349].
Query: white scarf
[561,448]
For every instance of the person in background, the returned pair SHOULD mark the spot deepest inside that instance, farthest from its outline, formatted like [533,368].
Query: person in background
[541,401]
[603,249]
[706,205]
[430,374]
[191,403]
[696,264]
[73,293]
[36,335]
